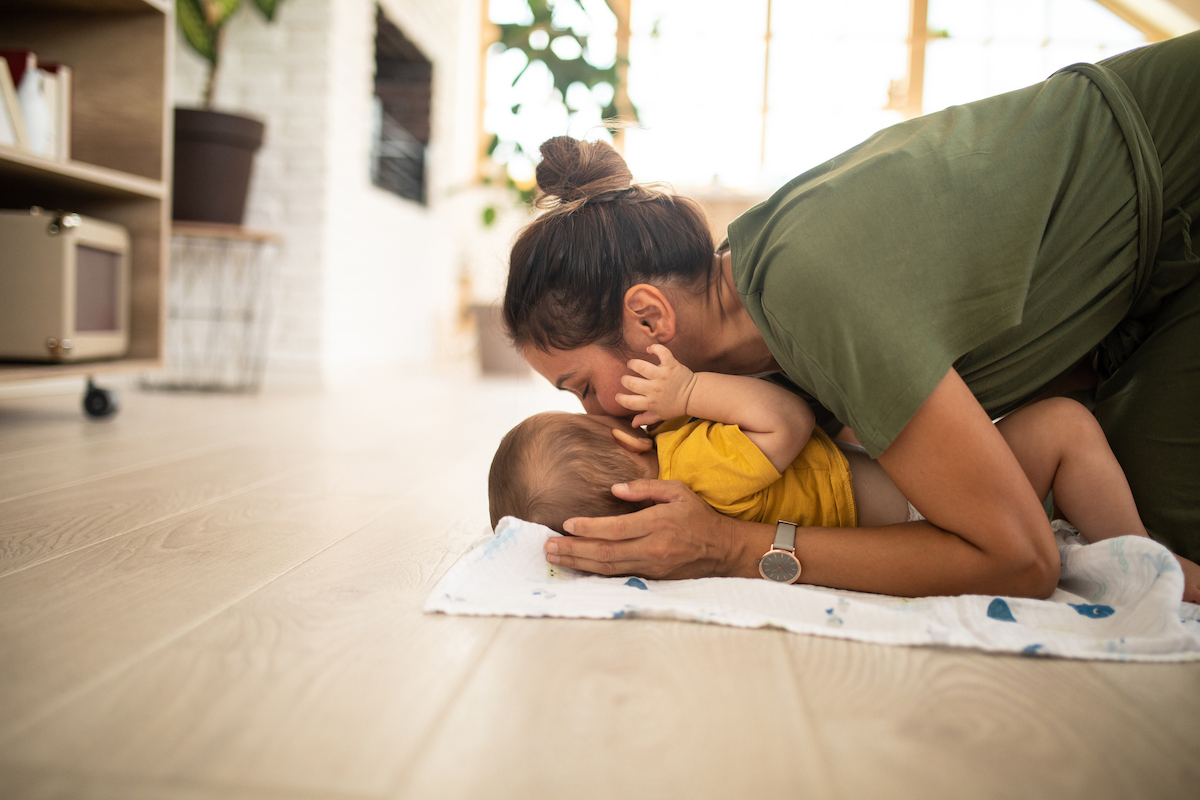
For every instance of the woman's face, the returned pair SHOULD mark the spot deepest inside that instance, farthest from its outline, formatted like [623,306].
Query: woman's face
[591,373]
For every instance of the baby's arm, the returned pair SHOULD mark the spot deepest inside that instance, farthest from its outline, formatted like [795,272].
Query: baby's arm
[777,421]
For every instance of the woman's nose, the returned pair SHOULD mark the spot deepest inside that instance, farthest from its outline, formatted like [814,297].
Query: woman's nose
[592,405]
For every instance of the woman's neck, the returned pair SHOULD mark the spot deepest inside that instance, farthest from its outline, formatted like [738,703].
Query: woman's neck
[718,333]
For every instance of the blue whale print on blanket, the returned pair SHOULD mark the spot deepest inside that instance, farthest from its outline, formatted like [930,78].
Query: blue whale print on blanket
[1092,612]
[637,583]
[998,609]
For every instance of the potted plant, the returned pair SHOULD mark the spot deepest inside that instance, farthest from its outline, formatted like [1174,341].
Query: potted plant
[214,151]
[561,49]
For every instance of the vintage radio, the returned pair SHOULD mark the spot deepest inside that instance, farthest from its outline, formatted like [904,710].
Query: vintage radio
[64,287]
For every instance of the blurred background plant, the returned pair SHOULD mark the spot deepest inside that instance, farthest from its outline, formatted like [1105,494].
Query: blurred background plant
[202,23]
[563,81]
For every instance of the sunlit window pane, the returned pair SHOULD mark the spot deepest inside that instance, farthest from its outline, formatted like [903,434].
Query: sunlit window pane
[697,75]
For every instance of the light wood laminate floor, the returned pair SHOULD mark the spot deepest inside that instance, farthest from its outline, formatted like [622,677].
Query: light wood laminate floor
[220,597]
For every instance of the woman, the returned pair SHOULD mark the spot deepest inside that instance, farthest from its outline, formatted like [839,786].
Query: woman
[942,273]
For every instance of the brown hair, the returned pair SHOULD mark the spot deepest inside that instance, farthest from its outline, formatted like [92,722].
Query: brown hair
[553,467]
[570,268]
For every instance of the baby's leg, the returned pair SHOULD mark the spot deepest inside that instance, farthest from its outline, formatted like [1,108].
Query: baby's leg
[1060,446]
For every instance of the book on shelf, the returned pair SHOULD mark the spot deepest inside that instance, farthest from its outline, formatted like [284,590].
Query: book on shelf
[43,93]
[12,121]
[57,87]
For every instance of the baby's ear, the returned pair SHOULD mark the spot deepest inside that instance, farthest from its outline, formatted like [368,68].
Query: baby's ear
[634,444]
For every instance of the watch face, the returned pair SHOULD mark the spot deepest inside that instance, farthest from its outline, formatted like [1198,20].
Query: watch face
[779,565]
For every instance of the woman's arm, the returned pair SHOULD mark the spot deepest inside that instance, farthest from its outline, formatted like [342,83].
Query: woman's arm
[778,422]
[987,532]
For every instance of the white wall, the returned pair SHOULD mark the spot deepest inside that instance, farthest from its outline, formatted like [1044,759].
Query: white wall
[364,276]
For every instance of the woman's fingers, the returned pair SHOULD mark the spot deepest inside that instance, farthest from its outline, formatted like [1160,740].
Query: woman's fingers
[679,537]
[590,565]
[652,489]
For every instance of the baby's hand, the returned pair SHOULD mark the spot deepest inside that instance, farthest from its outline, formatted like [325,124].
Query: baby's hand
[663,390]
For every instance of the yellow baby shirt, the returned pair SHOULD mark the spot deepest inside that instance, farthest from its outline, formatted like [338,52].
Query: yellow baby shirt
[721,464]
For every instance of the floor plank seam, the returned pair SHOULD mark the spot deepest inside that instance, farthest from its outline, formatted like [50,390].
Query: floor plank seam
[189,509]
[1141,713]
[166,785]
[405,773]
[154,462]
[104,440]
[824,754]
[121,666]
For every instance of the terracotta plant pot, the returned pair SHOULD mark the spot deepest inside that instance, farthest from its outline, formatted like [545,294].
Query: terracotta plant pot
[214,154]
[496,355]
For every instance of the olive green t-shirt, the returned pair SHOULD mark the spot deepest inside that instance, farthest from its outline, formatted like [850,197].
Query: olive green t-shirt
[999,237]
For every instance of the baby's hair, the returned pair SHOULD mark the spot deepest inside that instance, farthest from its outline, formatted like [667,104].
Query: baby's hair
[553,467]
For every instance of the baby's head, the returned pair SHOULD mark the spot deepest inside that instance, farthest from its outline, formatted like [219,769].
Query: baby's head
[555,466]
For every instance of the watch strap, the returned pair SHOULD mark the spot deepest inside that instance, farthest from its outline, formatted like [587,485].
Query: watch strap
[785,536]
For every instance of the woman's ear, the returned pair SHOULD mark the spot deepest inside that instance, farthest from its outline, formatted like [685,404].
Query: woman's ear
[634,444]
[649,316]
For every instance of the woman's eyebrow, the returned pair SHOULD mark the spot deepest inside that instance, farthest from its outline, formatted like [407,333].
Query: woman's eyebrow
[558,384]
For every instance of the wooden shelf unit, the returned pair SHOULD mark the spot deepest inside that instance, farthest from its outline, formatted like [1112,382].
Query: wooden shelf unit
[121,134]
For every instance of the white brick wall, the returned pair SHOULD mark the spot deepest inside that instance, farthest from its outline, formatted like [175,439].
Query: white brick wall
[363,275]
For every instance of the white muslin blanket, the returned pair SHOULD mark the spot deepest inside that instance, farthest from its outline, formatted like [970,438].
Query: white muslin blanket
[1118,599]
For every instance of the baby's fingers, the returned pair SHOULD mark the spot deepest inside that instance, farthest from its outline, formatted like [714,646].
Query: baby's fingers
[635,384]
[665,357]
[643,368]
[646,418]
[633,402]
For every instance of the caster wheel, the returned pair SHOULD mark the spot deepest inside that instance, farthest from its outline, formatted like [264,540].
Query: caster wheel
[99,402]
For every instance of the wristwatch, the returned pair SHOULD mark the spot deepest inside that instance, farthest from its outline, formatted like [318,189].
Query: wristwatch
[780,562]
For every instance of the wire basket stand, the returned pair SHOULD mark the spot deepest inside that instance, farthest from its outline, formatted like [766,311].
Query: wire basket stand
[218,308]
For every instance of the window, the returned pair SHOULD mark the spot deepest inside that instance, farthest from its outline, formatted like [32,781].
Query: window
[403,94]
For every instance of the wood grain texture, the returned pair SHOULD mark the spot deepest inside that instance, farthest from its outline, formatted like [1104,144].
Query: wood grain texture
[51,524]
[244,621]
[38,424]
[941,723]
[69,621]
[57,468]
[56,784]
[325,680]
[601,709]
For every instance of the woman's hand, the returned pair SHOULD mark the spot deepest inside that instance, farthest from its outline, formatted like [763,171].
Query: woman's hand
[661,392]
[680,537]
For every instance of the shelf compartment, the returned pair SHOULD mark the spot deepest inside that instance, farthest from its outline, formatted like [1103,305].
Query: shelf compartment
[74,177]
[119,57]
[12,371]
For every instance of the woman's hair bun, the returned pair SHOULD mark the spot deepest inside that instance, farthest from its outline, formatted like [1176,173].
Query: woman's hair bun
[573,172]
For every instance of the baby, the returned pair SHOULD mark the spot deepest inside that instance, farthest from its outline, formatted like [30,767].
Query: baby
[751,450]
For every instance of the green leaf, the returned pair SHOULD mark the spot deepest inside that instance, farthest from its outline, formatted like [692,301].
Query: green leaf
[268,8]
[196,30]
[218,12]
[489,216]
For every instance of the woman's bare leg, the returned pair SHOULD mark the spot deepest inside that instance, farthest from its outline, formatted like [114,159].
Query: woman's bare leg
[1061,446]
